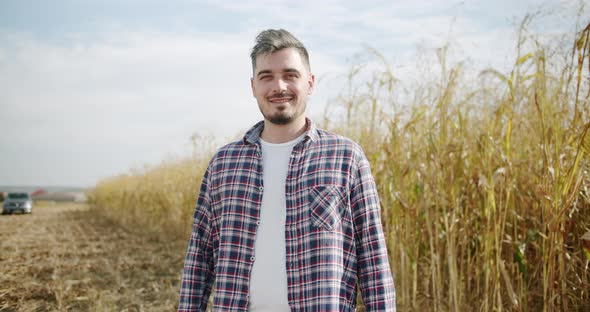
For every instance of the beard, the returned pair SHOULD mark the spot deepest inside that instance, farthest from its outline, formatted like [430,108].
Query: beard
[283,116]
[280,118]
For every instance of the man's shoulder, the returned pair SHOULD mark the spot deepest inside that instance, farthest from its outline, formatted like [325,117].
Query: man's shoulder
[331,142]
[233,148]
[328,138]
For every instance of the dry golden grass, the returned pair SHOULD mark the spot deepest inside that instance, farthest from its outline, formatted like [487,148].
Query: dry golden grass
[160,199]
[485,187]
[63,257]
[485,183]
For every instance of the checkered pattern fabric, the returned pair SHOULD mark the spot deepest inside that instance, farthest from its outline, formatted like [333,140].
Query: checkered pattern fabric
[334,237]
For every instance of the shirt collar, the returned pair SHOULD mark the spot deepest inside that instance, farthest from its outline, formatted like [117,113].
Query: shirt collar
[252,136]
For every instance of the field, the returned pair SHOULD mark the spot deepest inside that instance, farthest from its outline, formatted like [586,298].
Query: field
[484,181]
[64,257]
[484,178]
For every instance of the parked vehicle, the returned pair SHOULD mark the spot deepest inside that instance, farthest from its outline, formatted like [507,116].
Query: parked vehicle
[17,202]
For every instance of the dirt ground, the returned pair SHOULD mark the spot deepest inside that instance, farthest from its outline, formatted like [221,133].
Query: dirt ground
[64,257]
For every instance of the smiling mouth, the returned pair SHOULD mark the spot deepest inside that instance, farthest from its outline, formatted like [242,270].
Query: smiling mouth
[280,99]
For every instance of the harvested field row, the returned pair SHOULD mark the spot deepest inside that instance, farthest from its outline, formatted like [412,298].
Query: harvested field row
[64,257]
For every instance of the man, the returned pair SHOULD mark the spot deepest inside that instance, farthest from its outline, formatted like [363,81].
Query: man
[288,218]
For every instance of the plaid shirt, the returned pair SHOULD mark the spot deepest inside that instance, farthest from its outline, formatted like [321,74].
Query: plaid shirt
[333,230]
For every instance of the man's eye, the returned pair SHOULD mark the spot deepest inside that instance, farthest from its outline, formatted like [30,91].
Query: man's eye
[265,77]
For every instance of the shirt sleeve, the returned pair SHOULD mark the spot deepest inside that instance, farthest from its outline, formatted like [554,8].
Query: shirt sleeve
[198,272]
[374,273]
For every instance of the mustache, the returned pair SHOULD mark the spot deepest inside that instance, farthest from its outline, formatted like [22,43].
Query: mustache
[281,95]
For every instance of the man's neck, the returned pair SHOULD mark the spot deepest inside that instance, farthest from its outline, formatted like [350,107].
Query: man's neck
[273,133]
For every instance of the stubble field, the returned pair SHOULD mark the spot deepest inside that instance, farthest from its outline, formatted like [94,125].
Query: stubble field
[64,257]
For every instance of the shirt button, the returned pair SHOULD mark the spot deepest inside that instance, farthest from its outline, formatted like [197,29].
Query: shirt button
[257,222]
[261,188]
[251,258]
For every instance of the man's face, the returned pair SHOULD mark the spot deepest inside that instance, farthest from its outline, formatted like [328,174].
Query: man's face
[281,85]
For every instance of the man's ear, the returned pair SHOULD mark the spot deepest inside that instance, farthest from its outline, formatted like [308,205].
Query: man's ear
[311,83]
[252,86]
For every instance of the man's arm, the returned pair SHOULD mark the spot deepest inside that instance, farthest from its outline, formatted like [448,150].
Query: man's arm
[198,274]
[374,274]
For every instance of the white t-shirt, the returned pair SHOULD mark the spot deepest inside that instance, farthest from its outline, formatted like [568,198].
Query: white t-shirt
[268,279]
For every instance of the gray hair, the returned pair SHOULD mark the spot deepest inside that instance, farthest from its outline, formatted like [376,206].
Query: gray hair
[273,40]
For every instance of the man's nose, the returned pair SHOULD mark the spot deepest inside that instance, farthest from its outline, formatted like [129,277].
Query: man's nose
[280,85]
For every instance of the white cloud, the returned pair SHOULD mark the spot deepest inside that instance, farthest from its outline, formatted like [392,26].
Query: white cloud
[139,96]
[97,103]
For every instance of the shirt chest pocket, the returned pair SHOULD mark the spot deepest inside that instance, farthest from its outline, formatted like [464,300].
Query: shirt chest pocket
[325,206]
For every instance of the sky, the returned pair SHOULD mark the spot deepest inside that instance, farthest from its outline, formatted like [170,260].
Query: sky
[91,89]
